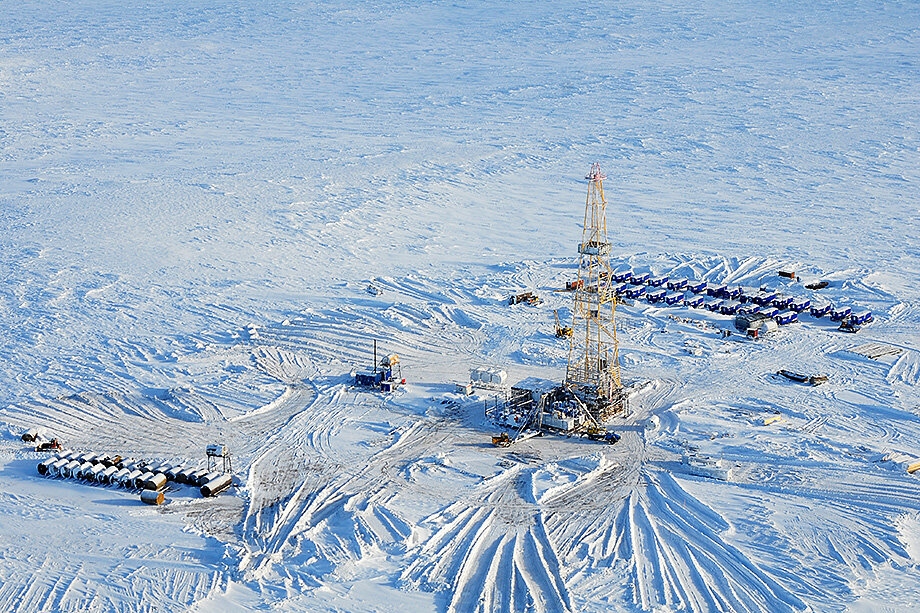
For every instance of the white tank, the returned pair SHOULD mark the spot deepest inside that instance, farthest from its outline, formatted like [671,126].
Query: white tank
[155,482]
[70,468]
[152,497]
[56,467]
[131,478]
[497,376]
[117,478]
[83,469]
[44,465]
[216,486]
[95,471]
[106,475]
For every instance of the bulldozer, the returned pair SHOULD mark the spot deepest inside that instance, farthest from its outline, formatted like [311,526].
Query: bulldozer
[561,331]
[52,445]
[502,440]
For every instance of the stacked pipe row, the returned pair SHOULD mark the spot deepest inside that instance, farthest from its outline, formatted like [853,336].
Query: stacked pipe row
[112,470]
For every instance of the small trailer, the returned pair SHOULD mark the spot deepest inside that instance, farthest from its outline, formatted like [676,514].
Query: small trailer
[714,304]
[747,309]
[748,294]
[656,295]
[782,302]
[768,311]
[765,298]
[839,313]
[733,293]
[621,275]
[820,310]
[635,292]
[698,287]
[729,307]
[716,291]
[677,284]
[658,281]
[861,317]
[672,299]
[786,317]
[621,289]
[800,304]
[639,278]
[694,301]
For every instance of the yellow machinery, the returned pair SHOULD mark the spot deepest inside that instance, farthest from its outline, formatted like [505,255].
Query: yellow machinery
[593,372]
[561,331]
[502,440]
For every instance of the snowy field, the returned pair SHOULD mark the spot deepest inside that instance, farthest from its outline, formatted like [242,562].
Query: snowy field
[195,197]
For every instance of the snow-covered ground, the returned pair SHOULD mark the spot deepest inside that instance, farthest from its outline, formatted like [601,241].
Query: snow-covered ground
[193,200]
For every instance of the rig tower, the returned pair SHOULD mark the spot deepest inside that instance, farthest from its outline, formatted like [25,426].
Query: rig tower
[593,372]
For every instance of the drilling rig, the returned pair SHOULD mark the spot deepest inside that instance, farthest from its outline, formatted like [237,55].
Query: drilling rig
[593,371]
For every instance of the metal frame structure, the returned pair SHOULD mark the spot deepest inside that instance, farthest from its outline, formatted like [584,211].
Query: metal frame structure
[593,371]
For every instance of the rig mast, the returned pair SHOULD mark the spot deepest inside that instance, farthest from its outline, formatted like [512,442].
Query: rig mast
[593,372]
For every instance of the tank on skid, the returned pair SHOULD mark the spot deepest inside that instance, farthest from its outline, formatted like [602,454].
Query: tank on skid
[155,481]
[154,497]
[70,469]
[44,466]
[216,485]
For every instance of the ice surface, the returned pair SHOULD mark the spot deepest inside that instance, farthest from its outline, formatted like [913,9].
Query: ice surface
[194,199]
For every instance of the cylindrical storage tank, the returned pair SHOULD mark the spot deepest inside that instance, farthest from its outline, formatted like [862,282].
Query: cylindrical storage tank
[55,469]
[44,465]
[214,474]
[63,454]
[82,469]
[152,497]
[162,468]
[95,471]
[70,468]
[118,476]
[173,471]
[186,476]
[197,477]
[498,376]
[129,464]
[30,435]
[155,482]
[131,478]
[106,475]
[139,482]
[216,486]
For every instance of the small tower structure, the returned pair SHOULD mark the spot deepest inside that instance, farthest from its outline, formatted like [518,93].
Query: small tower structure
[593,372]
